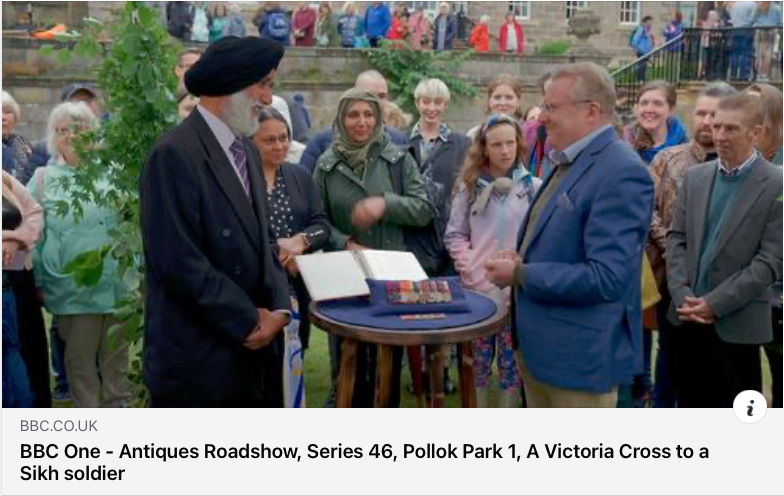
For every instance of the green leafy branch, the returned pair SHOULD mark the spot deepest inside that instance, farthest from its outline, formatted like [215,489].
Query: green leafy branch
[136,76]
[404,68]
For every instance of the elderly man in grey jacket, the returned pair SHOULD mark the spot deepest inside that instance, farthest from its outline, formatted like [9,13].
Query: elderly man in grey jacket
[725,250]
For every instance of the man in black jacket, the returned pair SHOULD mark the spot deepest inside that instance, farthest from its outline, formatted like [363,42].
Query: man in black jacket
[179,17]
[217,296]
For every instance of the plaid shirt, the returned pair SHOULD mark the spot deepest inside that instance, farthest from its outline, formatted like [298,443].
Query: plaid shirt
[668,170]
[426,147]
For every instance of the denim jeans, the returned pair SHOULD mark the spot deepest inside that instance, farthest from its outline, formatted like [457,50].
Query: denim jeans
[742,54]
[16,385]
[665,392]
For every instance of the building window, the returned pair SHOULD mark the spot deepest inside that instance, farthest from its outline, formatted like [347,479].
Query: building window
[630,13]
[572,7]
[522,10]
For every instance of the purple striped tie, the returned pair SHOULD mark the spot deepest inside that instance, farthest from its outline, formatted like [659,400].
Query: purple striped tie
[241,164]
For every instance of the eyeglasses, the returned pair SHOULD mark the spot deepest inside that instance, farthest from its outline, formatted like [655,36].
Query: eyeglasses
[71,130]
[549,108]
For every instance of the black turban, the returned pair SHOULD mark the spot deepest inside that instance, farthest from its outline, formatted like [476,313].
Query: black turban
[232,64]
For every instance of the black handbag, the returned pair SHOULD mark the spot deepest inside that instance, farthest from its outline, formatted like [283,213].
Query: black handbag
[426,243]
[12,217]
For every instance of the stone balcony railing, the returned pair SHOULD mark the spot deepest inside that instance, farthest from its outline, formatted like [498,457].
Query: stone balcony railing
[320,75]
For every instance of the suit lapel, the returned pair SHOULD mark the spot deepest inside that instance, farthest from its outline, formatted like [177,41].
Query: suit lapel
[227,178]
[750,190]
[258,186]
[584,162]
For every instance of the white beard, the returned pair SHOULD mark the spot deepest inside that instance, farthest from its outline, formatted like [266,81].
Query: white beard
[239,115]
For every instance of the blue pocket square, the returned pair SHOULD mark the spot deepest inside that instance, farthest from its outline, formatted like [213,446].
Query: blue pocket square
[565,203]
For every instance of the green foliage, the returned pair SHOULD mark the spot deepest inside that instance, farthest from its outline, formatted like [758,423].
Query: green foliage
[559,47]
[137,79]
[404,68]
[87,267]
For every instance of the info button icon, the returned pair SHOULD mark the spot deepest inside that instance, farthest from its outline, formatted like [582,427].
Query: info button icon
[750,407]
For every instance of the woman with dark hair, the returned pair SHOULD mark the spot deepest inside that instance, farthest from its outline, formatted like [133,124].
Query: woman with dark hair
[295,209]
[326,34]
[363,207]
[656,126]
[494,192]
[654,130]
[510,37]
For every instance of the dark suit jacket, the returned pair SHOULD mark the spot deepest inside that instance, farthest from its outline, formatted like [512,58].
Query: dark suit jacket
[309,217]
[443,166]
[747,260]
[577,317]
[210,264]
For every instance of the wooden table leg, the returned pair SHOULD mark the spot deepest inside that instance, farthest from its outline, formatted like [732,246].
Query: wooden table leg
[347,374]
[383,375]
[417,377]
[435,369]
[467,374]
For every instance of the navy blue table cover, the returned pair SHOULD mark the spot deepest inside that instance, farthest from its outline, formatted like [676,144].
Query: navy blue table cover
[357,311]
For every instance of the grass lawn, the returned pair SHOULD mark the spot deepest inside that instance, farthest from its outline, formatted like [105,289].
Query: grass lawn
[317,376]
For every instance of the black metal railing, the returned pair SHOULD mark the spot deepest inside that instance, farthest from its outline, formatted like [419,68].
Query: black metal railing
[662,63]
[732,54]
[723,54]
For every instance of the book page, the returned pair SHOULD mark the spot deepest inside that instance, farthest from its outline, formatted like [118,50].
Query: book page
[331,276]
[393,266]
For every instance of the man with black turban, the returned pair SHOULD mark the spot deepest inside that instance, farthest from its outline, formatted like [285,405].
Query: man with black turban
[216,294]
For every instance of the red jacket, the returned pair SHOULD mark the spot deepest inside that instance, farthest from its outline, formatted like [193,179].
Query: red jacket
[398,30]
[480,38]
[504,35]
[305,21]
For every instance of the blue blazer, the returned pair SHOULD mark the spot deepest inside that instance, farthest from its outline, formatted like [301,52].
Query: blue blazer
[578,319]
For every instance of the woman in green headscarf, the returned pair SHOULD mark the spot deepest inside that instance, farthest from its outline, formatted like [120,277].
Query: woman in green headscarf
[355,179]
[363,209]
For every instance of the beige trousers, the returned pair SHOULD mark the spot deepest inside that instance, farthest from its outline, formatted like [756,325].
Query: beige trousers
[541,395]
[87,342]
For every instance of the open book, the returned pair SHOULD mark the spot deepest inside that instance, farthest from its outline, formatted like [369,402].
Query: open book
[342,274]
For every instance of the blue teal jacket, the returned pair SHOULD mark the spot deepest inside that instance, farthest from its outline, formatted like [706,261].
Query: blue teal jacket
[65,237]
[378,19]
[676,135]
[642,41]
[577,316]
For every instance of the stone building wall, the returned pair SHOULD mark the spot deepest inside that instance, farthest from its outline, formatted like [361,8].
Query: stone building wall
[320,75]
[547,21]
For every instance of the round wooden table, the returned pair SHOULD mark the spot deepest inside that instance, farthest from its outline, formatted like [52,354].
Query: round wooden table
[435,341]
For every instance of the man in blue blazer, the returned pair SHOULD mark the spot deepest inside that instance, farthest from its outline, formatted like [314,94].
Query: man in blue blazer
[576,274]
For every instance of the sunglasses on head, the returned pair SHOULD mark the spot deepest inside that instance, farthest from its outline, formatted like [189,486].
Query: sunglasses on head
[498,119]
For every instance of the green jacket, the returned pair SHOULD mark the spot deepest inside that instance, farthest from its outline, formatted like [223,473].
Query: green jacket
[62,239]
[341,190]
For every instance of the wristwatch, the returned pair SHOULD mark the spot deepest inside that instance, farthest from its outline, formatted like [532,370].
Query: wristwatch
[306,238]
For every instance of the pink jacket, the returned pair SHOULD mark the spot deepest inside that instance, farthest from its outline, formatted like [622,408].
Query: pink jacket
[32,214]
[418,26]
[472,238]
